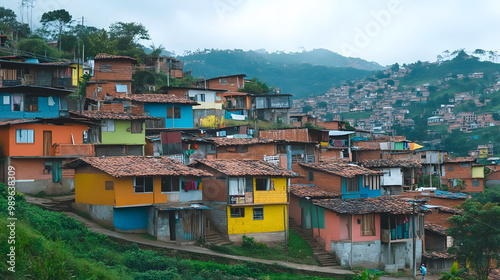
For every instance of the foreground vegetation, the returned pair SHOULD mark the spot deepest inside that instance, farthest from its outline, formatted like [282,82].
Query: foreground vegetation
[51,245]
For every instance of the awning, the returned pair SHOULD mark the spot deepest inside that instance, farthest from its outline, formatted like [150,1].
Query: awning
[179,206]
[340,132]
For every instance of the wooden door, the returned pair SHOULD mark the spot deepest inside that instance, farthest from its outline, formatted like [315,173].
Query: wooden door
[47,143]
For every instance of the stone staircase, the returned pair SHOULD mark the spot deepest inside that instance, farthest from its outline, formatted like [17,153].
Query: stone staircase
[213,236]
[324,257]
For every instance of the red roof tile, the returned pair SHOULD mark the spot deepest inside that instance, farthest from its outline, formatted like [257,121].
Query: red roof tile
[438,255]
[234,167]
[139,166]
[343,169]
[435,228]
[461,159]
[99,115]
[224,141]
[161,98]
[110,56]
[494,274]
[373,163]
[381,204]
[301,190]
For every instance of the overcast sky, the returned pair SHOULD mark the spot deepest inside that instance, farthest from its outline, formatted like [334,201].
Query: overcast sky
[384,31]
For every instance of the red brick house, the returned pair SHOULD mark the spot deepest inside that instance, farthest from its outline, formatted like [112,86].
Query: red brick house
[462,174]
[112,77]
[231,83]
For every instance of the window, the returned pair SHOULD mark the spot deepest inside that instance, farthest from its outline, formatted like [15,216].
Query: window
[237,212]
[136,126]
[17,103]
[262,184]
[105,67]
[352,184]
[223,81]
[6,99]
[368,225]
[310,176]
[121,88]
[258,213]
[47,167]
[143,184]
[25,136]
[173,112]
[475,183]
[450,168]
[31,104]
[169,184]
[202,97]
[237,186]
[108,125]
[109,185]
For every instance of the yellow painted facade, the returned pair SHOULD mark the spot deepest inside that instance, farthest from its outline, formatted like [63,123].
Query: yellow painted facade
[273,220]
[478,172]
[278,195]
[90,189]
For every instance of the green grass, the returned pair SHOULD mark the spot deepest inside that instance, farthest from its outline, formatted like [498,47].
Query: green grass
[298,251]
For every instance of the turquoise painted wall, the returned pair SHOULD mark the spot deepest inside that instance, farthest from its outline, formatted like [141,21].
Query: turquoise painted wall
[44,110]
[160,111]
[311,213]
[130,218]
[122,136]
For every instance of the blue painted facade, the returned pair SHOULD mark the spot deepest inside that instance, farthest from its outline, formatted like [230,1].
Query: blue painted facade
[364,191]
[130,218]
[43,111]
[159,110]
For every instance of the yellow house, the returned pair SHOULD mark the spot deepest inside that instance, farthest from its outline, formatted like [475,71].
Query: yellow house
[136,193]
[77,73]
[251,197]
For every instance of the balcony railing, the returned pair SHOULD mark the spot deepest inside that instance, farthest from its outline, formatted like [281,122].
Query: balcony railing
[74,150]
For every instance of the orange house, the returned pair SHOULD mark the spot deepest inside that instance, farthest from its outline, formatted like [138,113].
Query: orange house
[462,174]
[38,148]
[230,83]
[136,193]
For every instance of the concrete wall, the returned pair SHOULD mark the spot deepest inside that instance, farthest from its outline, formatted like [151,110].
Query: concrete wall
[266,237]
[102,214]
[217,216]
[190,195]
[46,185]
[374,254]
[392,177]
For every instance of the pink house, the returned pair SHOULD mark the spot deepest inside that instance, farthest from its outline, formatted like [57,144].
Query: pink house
[367,232]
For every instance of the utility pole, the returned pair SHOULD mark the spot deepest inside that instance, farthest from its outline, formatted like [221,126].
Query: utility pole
[414,242]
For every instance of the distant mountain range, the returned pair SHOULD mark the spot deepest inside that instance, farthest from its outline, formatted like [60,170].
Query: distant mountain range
[300,74]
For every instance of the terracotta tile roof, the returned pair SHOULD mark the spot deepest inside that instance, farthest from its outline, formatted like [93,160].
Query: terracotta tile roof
[435,228]
[461,159]
[110,56]
[381,204]
[301,190]
[161,98]
[343,169]
[494,274]
[450,210]
[139,166]
[438,255]
[99,115]
[371,163]
[16,121]
[234,167]
[224,141]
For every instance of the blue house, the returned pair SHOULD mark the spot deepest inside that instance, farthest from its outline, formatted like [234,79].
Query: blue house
[29,102]
[171,111]
[350,180]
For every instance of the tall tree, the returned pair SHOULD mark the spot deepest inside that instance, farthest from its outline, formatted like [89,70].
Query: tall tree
[58,19]
[133,31]
[476,236]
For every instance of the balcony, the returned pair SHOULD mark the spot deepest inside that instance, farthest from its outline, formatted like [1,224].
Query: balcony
[74,150]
